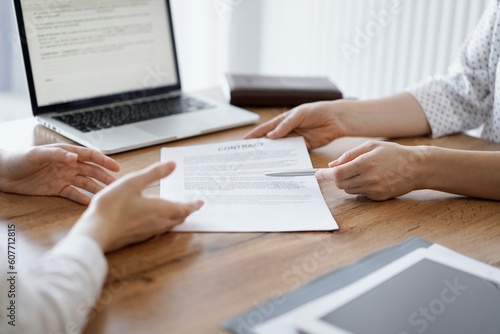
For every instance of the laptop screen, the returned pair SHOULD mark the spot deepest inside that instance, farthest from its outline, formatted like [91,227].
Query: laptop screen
[86,49]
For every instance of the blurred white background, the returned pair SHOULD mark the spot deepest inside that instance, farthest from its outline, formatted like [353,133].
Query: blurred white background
[369,48]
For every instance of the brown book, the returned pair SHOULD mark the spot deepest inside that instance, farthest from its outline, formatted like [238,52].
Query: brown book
[246,90]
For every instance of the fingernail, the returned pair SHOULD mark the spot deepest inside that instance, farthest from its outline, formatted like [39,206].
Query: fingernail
[333,163]
[199,204]
[271,133]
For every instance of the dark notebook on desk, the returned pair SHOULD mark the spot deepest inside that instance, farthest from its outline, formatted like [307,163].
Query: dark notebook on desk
[246,90]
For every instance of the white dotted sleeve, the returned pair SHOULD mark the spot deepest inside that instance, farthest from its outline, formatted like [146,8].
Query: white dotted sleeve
[463,99]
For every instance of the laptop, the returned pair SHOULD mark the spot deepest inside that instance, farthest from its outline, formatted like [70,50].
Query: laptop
[104,74]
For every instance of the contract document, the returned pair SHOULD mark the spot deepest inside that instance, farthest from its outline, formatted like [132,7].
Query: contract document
[229,178]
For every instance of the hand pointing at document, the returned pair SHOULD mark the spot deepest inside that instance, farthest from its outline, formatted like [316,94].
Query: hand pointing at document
[371,169]
[364,170]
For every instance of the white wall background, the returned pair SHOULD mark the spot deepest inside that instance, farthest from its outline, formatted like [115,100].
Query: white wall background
[216,36]
[320,37]
[293,37]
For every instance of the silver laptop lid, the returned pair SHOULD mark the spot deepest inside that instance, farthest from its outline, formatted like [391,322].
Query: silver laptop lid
[85,53]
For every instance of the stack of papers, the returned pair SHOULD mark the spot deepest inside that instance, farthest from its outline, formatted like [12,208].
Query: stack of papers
[229,178]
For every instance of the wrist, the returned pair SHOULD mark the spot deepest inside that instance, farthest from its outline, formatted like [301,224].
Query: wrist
[343,117]
[94,227]
[424,162]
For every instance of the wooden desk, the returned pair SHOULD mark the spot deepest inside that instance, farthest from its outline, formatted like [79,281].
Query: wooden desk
[191,282]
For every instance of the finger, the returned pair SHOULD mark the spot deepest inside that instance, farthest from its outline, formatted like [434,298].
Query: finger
[287,125]
[164,215]
[309,145]
[340,174]
[172,213]
[44,154]
[325,174]
[95,172]
[353,154]
[139,180]
[369,193]
[71,193]
[87,184]
[183,210]
[355,191]
[352,183]
[263,129]
[347,170]
[93,156]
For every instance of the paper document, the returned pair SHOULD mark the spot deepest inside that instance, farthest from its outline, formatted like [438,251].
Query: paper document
[229,178]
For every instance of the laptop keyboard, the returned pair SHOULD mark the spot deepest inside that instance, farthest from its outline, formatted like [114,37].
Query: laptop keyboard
[98,119]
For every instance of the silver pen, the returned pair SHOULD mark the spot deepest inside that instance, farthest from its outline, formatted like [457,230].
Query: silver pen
[294,172]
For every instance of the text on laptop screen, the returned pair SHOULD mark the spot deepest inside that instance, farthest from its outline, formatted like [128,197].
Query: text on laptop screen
[82,49]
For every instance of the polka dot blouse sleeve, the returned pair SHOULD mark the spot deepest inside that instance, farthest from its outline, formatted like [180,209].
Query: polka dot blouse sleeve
[464,98]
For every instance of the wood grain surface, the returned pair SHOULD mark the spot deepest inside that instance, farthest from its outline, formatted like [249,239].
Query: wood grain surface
[191,282]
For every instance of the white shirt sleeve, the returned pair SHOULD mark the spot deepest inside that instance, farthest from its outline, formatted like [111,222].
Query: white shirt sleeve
[57,294]
[463,99]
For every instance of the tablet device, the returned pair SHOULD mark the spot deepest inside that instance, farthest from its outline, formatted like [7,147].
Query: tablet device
[422,292]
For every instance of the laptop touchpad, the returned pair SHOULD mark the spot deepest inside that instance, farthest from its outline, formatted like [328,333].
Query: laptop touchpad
[172,126]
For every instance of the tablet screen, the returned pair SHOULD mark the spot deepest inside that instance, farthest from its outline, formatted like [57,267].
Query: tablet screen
[427,297]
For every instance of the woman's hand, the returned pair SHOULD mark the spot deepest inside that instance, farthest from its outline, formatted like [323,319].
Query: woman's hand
[121,215]
[378,170]
[55,170]
[319,123]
